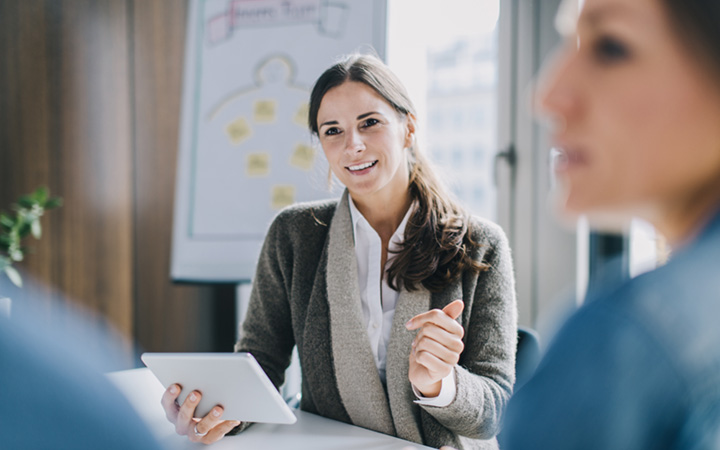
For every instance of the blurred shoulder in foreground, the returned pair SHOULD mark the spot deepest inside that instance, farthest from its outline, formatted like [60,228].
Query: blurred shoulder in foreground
[53,393]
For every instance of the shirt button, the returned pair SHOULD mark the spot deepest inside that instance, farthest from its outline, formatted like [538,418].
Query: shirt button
[375,325]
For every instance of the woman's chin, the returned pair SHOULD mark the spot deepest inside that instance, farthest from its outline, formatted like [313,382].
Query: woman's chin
[567,210]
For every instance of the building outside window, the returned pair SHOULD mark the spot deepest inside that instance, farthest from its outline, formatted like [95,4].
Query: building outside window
[450,69]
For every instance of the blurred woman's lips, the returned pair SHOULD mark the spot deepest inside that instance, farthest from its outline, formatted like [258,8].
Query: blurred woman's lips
[568,158]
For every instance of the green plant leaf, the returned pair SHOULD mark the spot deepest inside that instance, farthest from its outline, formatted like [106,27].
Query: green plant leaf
[5,240]
[36,229]
[26,201]
[53,203]
[14,276]
[6,220]
[23,220]
[23,230]
[40,195]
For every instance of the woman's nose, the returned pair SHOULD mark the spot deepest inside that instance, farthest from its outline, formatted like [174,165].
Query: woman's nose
[353,142]
[556,95]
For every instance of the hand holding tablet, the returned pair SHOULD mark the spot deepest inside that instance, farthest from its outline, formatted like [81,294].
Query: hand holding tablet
[235,381]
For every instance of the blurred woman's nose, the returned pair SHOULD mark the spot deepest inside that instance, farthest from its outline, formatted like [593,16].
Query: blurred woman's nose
[353,142]
[556,94]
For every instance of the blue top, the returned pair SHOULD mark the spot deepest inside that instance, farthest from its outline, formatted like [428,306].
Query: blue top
[53,397]
[635,368]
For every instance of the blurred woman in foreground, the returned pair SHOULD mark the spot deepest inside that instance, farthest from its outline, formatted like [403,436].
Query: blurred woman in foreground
[634,98]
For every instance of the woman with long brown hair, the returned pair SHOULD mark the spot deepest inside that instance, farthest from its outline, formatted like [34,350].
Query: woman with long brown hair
[402,306]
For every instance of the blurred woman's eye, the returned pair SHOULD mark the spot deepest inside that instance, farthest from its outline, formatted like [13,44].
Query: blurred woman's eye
[332,131]
[369,122]
[610,50]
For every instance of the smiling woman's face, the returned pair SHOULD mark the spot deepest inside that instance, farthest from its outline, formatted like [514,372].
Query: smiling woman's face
[365,140]
[635,115]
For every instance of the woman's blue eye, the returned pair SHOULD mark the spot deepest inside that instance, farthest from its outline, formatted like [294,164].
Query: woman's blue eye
[610,50]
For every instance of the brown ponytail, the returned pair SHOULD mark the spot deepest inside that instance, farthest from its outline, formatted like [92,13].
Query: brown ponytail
[438,246]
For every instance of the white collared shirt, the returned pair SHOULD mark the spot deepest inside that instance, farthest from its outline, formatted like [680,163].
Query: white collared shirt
[379,299]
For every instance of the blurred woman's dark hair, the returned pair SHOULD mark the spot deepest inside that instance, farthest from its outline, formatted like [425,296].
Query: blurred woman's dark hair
[697,25]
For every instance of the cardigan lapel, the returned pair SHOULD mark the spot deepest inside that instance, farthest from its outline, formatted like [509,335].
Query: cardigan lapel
[359,384]
[405,412]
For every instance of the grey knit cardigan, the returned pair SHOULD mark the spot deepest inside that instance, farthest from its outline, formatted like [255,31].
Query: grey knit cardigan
[306,293]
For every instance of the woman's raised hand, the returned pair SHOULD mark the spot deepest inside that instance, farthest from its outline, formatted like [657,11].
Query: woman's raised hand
[436,348]
[207,430]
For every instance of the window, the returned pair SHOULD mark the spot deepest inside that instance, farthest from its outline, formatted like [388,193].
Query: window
[457,158]
[479,157]
[450,70]
[479,64]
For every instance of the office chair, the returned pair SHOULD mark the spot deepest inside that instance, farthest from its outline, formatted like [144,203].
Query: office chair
[527,357]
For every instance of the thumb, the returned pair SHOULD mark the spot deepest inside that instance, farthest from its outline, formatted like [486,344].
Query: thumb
[454,309]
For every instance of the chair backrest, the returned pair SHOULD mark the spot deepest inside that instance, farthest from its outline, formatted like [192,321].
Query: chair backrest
[528,355]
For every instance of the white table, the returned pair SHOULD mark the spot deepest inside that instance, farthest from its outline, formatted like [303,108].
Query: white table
[310,431]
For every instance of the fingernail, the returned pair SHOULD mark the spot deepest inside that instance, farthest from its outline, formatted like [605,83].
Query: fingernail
[173,389]
[413,344]
[193,397]
[216,412]
[409,323]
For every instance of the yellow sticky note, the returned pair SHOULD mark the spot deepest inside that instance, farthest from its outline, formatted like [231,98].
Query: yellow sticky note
[301,116]
[265,111]
[238,130]
[258,164]
[282,196]
[303,157]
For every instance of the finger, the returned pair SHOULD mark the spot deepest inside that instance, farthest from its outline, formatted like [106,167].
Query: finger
[454,309]
[168,402]
[185,423]
[435,367]
[447,327]
[207,423]
[434,316]
[446,355]
[450,340]
[219,431]
[438,317]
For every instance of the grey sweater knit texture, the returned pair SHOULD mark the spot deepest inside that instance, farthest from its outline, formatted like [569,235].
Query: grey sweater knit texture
[306,294]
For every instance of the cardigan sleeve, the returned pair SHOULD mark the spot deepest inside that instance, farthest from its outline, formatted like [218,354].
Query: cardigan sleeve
[485,373]
[267,329]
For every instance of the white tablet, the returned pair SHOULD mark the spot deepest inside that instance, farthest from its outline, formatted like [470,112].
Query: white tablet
[233,380]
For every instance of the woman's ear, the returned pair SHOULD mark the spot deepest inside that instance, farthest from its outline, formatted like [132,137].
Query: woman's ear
[410,130]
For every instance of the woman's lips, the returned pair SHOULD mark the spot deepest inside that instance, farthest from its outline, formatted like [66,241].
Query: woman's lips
[361,168]
[568,158]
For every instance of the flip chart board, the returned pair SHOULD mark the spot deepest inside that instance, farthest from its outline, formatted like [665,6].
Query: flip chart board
[245,149]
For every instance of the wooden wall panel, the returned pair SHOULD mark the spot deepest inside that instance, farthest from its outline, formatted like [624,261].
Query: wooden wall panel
[168,317]
[66,124]
[95,155]
[89,106]
[25,126]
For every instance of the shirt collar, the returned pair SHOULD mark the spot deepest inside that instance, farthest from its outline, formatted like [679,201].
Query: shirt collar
[358,220]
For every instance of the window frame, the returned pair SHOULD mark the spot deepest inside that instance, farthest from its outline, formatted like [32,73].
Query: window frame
[544,252]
